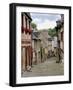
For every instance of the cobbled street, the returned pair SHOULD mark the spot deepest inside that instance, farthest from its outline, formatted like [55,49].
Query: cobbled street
[46,68]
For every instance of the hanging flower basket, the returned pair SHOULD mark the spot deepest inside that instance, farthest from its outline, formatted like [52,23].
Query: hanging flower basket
[29,31]
[26,30]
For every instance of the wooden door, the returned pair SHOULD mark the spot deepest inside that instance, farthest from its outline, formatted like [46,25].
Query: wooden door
[24,59]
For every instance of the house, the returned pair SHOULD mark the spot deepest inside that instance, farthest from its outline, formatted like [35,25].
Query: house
[40,45]
[44,44]
[61,34]
[60,25]
[36,45]
[26,41]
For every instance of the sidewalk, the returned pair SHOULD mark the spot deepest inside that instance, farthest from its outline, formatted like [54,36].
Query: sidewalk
[47,68]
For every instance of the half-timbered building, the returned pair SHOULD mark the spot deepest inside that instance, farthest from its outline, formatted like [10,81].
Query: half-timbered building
[26,41]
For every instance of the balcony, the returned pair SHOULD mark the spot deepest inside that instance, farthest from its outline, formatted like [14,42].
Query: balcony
[26,30]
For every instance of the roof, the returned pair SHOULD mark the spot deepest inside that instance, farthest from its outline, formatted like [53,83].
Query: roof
[35,35]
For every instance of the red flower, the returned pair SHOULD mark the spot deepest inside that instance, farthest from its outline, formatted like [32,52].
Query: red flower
[26,30]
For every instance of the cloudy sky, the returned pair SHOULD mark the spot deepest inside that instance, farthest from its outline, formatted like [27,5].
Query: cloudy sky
[45,21]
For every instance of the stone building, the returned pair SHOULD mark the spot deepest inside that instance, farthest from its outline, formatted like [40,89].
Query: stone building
[36,45]
[44,44]
[41,44]
[60,27]
[26,42]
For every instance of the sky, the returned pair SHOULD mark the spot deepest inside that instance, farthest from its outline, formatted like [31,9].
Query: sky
[45,21]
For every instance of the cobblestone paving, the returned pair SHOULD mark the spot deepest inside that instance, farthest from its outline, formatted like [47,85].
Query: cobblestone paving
[47,68]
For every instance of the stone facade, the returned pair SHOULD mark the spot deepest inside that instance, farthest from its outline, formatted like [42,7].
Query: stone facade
[36,45]
[54,45]
[42,46]
[60,25]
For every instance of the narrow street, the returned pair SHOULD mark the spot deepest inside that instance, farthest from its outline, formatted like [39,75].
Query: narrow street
[46,68]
